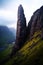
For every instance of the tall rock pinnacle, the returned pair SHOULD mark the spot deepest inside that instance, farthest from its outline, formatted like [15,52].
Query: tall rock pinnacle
[21,26]
[21,30]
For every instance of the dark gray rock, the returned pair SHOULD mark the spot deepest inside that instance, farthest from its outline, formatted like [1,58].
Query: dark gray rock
[21,27]
[21,30]
[36,22]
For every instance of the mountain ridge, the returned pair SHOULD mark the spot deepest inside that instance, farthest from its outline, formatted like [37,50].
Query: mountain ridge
[6,36]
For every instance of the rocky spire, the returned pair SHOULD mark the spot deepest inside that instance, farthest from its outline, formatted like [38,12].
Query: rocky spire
[21,26]
[21,30]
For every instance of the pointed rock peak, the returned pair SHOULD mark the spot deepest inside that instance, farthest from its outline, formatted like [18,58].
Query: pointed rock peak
[20,6]
[21,26]
[20,9]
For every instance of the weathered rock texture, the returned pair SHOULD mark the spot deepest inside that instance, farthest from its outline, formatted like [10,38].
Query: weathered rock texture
[36,22]
[21,27]
[21,30]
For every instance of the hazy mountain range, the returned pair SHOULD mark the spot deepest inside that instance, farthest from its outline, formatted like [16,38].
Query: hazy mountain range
[7,36]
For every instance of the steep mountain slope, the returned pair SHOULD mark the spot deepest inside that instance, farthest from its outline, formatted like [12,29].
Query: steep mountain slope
[30,54]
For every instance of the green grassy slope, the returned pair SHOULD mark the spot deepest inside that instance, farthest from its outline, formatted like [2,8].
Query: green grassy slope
[4,53]
[30,54]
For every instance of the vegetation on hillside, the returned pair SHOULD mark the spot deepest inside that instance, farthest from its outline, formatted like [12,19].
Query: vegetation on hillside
[30,54]
[6,52]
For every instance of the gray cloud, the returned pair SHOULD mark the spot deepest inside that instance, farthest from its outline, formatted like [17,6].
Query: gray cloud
[6,22]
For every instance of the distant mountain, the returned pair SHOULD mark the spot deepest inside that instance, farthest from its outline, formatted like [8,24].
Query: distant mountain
[13,31]
[6,36]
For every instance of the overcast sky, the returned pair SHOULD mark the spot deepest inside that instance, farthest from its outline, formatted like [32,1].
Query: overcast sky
[8,10]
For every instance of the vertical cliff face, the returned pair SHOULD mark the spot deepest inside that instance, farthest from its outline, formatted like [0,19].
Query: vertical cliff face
[21,30]
[21,27]
[36,22]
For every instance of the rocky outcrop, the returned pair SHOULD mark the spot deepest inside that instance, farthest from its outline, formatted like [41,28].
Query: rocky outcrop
[36,22]
[21,27]
[21,30]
